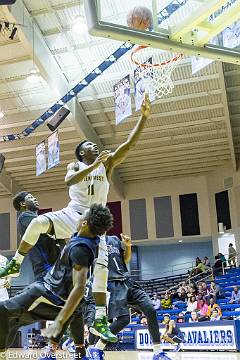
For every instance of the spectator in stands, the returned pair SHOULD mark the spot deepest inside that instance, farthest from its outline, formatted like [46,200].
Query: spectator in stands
[213,306]
[200,268]
[204,288]
[166,302]
[193,286]
[235,298]
[206,261]
[222,257]
[197,261]
[191,293]
[194,317]
[218,266]
[156,302]
[181,297]
[215,315]
[200,289]
[231,255]
[192,304]
[203,309]
[180,318]
[185,287]
[143,320]
[214,291]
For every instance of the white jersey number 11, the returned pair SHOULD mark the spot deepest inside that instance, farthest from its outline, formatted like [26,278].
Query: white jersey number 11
[91,189]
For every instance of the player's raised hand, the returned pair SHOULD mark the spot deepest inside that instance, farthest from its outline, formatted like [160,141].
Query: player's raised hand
[126,240]
[146,106]
[103,156]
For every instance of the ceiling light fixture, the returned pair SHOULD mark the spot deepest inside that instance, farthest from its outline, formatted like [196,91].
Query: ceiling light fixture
[34,76]
[180,241]
[79,26]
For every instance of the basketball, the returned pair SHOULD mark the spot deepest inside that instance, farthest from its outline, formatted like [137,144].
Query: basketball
[140,17]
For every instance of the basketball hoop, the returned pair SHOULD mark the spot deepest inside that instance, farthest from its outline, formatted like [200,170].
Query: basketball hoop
[155,68]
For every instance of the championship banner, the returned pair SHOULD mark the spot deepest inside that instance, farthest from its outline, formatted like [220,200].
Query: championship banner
[231,36]
[53,150]
[41,162]
[123,106]
[214,337]
[140,87]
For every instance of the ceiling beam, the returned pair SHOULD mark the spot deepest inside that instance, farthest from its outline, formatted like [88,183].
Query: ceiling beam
[8,183]
[57,7]
[116,76]
[157,115]
[227,115]
[51,72]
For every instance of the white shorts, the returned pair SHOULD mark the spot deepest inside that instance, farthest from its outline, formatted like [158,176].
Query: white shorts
[65,222]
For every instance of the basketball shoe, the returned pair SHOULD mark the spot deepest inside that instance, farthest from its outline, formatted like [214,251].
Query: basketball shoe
[101,329]
[12,269]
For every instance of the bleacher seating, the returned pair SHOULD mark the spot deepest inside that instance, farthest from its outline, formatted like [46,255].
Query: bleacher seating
[160,285]
[226,282]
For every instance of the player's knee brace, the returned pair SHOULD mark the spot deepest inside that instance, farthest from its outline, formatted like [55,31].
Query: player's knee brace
[38,226]
[100,278]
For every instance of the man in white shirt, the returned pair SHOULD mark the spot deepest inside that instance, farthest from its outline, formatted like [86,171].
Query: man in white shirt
[156,302]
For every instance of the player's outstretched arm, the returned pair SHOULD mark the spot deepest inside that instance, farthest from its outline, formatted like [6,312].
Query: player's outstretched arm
[75,296]
[128,248]
[122,151]
[74,175]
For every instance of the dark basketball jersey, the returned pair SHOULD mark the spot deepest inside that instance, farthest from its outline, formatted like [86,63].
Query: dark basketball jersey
[45,252]
[175,331]
[59,280]
[116,264]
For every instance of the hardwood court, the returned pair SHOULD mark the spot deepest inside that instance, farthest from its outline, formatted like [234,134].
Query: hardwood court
[132,355]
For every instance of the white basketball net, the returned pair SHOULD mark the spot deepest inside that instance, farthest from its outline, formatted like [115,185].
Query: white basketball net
[155,68]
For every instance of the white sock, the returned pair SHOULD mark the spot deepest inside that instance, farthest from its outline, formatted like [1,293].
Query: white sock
[18,257]
[100,311]
[157,348]
[100,345]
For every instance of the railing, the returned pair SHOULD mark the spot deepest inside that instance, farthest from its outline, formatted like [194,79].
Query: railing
[176,269]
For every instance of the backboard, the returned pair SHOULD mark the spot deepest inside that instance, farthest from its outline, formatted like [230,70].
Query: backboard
[191,27]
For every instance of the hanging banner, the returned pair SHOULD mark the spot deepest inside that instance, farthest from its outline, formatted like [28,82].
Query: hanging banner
[142,86]
[231,36]
[41,162]
[53,150]
[123,105]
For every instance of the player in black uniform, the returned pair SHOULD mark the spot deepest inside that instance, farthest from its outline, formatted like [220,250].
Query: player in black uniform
[172,334]
[125,293]
[43,256]
[62,289]
[46,251]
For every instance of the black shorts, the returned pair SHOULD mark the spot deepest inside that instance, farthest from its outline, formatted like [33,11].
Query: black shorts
[126,294]
[177,338]
[26,308]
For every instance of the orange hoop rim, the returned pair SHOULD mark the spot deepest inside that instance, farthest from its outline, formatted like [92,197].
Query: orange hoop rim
[164,63]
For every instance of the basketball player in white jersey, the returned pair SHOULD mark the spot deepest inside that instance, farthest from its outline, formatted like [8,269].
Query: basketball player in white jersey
[88,182]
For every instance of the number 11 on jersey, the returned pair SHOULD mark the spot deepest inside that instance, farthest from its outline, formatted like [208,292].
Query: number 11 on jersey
[91,189]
